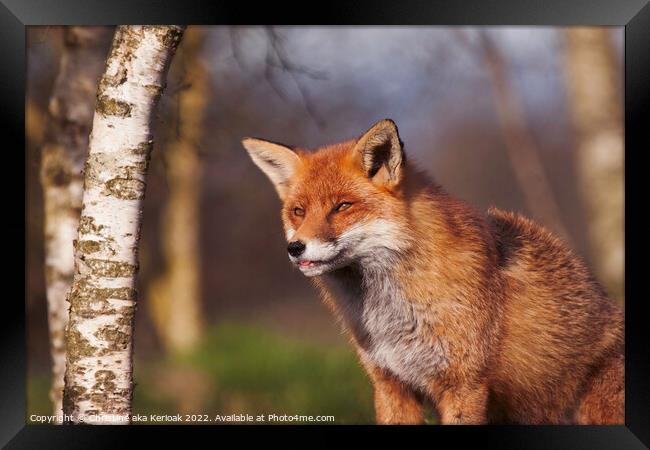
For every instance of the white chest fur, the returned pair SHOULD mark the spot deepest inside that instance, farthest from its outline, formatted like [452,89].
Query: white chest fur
[392,332]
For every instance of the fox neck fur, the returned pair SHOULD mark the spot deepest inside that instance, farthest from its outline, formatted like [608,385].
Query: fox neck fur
[399,324]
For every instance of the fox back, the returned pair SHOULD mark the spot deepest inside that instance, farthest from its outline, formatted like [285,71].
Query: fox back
[487,316]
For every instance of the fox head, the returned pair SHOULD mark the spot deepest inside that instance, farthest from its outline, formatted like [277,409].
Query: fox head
[342,203]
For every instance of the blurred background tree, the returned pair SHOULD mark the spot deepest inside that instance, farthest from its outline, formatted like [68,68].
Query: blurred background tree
[268,345]
[594,91]
[174,297]
[520,146]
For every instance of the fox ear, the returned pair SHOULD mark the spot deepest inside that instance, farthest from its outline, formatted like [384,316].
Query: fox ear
[277,161]
[380,153]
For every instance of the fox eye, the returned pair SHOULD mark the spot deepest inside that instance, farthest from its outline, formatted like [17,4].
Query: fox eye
[342,206]
[299,212]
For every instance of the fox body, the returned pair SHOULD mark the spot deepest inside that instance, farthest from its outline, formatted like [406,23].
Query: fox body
[488,317]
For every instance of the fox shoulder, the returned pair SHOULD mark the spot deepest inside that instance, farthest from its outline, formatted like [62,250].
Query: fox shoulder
[525,243]
[516,234]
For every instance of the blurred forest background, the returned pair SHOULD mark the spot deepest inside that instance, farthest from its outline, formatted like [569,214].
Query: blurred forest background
[525,119]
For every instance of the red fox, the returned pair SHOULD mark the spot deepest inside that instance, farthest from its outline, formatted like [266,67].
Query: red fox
[488,317]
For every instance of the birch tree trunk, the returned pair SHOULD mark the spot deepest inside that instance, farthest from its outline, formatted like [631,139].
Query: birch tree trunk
[594,82]
[70,116]
[99,372]
[175,296]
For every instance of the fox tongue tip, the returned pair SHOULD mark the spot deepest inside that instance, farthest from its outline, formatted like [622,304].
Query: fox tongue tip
[306,263]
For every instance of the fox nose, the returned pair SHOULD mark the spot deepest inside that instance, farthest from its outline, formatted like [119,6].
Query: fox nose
[296,248]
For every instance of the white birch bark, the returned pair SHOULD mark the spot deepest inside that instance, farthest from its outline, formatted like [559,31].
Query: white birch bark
[594,81]
[99,372]
[62,157]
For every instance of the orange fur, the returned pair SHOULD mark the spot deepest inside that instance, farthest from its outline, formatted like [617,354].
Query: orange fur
[489,317]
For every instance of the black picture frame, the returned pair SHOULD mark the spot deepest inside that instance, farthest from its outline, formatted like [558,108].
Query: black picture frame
[634,15]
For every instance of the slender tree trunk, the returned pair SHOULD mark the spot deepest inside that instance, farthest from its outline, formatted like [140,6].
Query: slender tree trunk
[175,297]
[36,118]
[99,372]
[70,116]
[520,146]
[594,81]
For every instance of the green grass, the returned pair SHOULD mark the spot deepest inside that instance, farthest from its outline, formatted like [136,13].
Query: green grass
[246,370]
[38,400]
[241,369]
